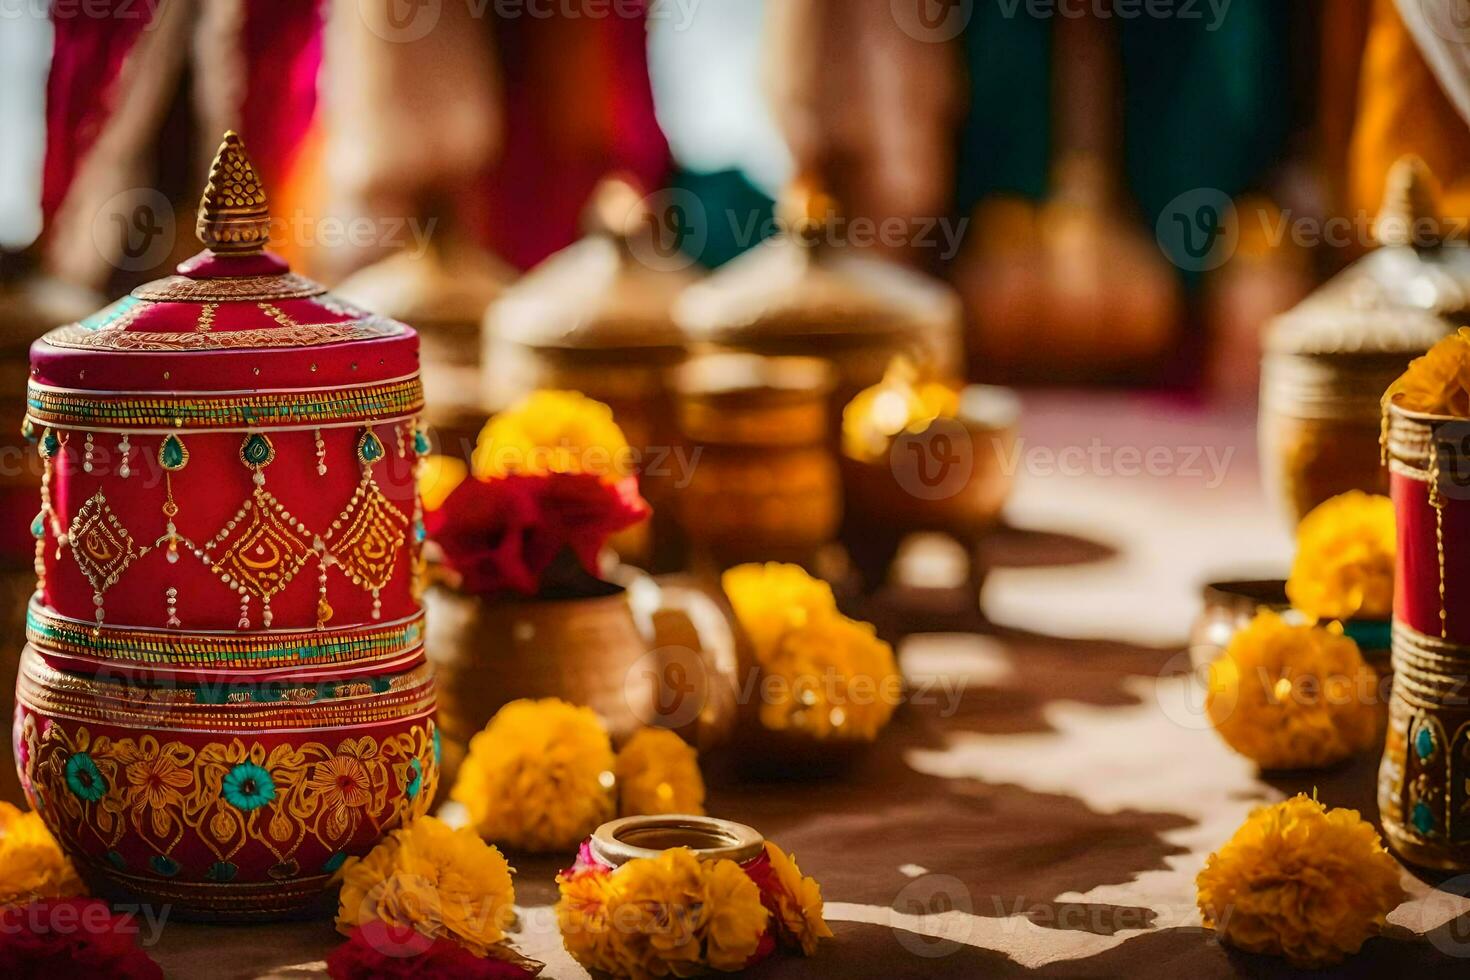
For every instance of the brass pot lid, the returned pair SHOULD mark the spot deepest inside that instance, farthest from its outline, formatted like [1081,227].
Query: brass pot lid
[450,283]
[598,295]
[1398,299]
[801,286]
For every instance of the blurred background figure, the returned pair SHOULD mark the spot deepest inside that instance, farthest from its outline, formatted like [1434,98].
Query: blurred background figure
[1048,160]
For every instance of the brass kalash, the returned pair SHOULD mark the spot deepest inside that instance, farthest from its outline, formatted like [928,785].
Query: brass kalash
[1329,360]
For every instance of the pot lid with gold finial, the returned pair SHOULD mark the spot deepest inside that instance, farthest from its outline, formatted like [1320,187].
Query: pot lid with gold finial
[1399,298]
[802,286]
[612,292]
[450,283]
[234,322]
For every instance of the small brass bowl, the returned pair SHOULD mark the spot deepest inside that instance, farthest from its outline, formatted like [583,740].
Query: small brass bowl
[619,841]
[1230,605]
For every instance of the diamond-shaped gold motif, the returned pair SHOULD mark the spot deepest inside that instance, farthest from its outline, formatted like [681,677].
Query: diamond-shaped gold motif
[102,546]
[262,553]
[372,534]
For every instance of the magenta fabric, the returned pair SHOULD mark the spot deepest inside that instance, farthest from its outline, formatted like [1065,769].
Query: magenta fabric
[82,91]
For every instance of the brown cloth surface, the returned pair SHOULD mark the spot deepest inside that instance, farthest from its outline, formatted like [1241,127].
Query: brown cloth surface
[1050,820]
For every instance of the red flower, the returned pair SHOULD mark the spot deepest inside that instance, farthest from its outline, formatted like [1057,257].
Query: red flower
[360,958]
[482,529]
[74,937]
[581,511]
[501,535]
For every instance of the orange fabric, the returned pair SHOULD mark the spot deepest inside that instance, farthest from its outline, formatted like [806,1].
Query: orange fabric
[301,197]
[1402,109]
[1344,38]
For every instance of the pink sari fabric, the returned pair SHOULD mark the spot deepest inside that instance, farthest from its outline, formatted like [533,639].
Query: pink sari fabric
[82,91]
[579,105]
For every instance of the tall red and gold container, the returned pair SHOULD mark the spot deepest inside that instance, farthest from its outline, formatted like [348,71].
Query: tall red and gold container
[1424,780]
[223,693]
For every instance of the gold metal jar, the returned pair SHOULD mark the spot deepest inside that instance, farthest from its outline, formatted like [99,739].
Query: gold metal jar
[443,294]
[650,652]
[597,318]
[1329,360]
[807,293]
[764,482]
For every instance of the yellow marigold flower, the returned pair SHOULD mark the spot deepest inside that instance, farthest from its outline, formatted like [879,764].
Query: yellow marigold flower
[771,599]
[653,917]
[898,403]
[443,883]
[1439,382]
[737,918]
[539,777]
[664,900]
[582,916]
[798,903]
[439,478]
[658,772]
[831,679]
[32,865]
[1344,559]
[553,432]
[1302,882]
[1293,697]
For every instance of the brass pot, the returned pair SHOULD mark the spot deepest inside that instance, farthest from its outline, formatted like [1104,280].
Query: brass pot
[764,483]
[597,318]
[442,294]
[800,295]
[953,477]
[1229,605]
[658,653]
[1329,360]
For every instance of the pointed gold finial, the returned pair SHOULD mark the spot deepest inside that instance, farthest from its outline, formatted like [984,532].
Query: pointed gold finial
[806,209]
[1410,213]
[233,217]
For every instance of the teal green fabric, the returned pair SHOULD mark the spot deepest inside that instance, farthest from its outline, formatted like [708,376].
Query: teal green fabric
[1202,108]
[1005,144]
[731,209]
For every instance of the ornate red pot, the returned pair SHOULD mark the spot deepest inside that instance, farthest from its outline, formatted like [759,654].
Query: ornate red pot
[1424,781]
[224,693]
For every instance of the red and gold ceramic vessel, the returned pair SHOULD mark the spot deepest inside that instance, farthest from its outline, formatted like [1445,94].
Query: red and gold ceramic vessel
[1424,780]
[223,693]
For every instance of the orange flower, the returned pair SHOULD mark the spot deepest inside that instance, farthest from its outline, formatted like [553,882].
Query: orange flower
[156,780]
[32,866]
[798,902]
[1300,882]
[1437,383]
[1293,697]
[1344,559]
